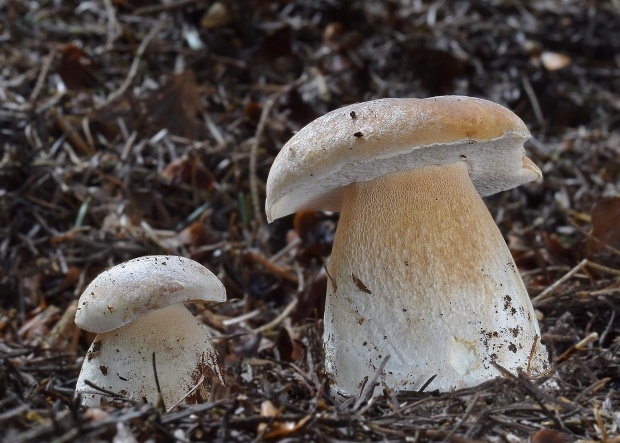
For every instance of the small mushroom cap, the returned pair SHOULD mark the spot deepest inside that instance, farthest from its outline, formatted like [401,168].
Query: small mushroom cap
[364,141]
[133,288]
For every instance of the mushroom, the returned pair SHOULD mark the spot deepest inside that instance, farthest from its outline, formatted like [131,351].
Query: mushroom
[419,271]
[147,341]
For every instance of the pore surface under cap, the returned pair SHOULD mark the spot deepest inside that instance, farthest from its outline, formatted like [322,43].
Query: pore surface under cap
[367,140]
[130,289]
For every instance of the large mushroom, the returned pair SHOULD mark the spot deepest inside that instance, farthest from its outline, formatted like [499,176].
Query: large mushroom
[147,341]
[419,271]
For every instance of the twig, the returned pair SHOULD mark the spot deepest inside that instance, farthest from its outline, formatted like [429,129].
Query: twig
[607,270]
[133,70]
[544,294]
[73,136]
[365,397]
[577,347]
[428,382]
[291,245]
[114,395]
[112,25]
[270,266]
[188,393]
[241,318]
[160,400]
[583,263]
[256,201]
[598,384]
[534,101]
[260,128]
[532,351]
[276,321]
[156,9]
[465,416]
[47,63]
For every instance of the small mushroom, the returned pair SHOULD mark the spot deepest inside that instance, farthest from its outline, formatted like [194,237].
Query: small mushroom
[147,341]
[419,270]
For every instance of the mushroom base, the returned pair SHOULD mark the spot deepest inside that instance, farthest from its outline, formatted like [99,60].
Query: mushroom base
[421,276]
[121,361]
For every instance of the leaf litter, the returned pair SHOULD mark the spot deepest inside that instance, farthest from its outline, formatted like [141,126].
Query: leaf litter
[131,128]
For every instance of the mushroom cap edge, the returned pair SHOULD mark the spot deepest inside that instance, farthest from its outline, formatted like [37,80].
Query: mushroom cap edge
[366,140]
[132,288]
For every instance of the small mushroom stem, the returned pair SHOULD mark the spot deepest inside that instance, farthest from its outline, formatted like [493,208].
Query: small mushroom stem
[423,274]
[121,360]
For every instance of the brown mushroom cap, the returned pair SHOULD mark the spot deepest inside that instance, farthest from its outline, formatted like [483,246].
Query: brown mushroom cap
[367,140]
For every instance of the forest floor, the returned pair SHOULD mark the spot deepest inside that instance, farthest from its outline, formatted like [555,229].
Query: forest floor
[131,128]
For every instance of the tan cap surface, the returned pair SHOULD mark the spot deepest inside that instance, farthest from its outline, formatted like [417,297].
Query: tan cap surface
[367,140]
[130,289]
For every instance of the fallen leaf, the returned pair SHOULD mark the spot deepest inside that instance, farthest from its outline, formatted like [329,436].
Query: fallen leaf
[290,350]
[604,241]
[278,429]
[175,106]
[188,170]
[216,16]
[76,68]
[547,436]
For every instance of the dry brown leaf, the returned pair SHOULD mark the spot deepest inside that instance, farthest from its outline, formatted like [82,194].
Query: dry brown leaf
[605,233]
[76,68]
[216,16]
[176,105]
[547,436]
[278,429]
[188,170]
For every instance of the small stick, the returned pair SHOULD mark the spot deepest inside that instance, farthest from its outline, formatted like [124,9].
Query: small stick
[133,70]
[156,9]
[291,245]
[271,267]
[534,101]
[256,201]
[108,393]
[583,263]
[544,294]
[241,318]
[47,63]
[577,347]
[160,399]
[529,360]
[331,279]
[428,382]
[371,387]
[612,271]
[289,308]
[112,25]
[73,136]
[465,416]
[190,392]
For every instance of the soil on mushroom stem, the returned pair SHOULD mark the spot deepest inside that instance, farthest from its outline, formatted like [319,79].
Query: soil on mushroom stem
[136,131]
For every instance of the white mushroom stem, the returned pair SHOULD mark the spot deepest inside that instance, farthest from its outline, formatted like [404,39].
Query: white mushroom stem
[420,272]
[121,361]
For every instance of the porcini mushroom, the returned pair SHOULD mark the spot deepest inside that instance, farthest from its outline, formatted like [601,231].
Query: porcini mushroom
[419,271]
[147,340]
